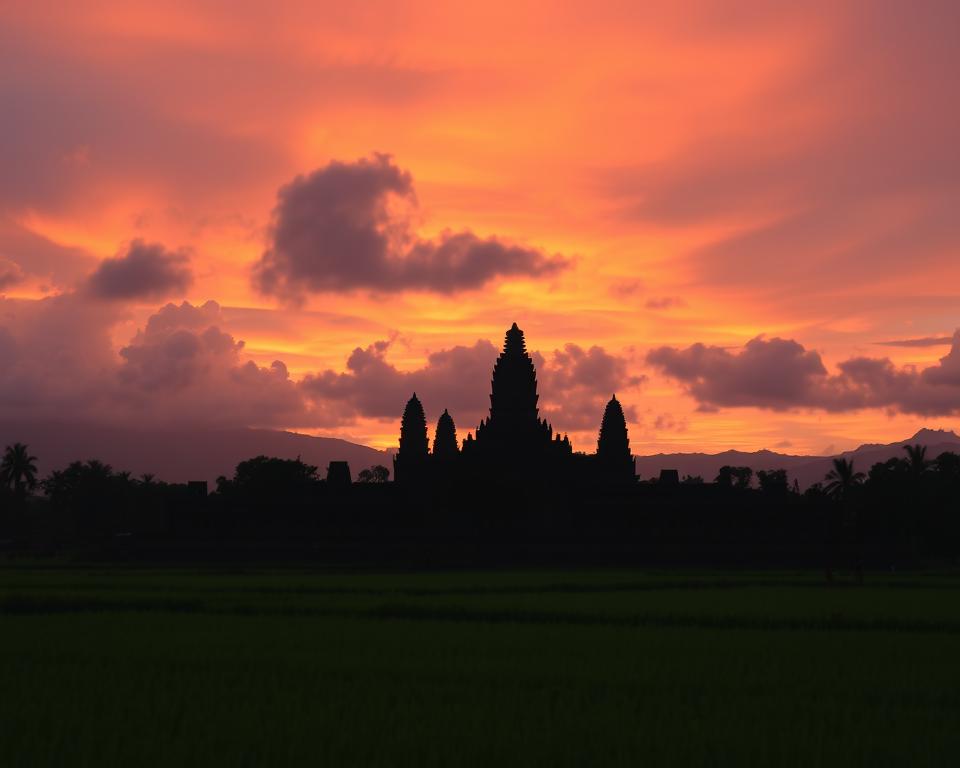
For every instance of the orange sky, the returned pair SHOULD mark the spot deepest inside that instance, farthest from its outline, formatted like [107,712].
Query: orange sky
[710,171]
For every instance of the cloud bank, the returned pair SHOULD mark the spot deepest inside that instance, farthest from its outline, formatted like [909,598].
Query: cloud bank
[184,366]
[780,374]
[576,383]
[60,365]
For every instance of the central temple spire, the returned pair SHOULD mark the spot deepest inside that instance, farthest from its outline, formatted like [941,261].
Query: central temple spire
[513,399]
[513,437]
[514,344]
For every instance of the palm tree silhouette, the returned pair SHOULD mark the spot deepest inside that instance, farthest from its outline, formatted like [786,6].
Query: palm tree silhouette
[841,480]
[917,459]
[99,470]
[18,469]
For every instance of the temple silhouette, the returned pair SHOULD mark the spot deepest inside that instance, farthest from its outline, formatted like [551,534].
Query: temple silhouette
[513,442]
[512,493]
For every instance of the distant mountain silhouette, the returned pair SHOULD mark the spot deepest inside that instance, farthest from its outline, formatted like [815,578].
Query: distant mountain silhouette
[179,454]
[928,437]
[807,470]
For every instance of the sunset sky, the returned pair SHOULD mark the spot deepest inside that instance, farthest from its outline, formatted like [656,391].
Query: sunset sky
[742,217]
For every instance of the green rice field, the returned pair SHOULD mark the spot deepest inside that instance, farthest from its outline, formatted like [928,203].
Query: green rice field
[120,666]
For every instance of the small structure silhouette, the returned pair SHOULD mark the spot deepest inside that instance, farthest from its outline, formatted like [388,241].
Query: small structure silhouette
[338,474]
[669,477]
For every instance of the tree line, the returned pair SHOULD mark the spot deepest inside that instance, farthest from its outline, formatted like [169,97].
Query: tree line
[901,510]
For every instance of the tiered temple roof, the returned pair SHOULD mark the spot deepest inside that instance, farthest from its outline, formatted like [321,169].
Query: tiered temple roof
[613,446]
[514,430]
[414,446]
[512,440]
[445,437]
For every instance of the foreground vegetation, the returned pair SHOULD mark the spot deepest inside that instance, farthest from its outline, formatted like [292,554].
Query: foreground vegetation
[905,513]
[180,667]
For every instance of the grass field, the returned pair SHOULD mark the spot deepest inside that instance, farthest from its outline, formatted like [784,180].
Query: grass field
[103,666]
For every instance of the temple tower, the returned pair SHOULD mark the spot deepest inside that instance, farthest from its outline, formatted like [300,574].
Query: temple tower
[411,459]
[513,399]
[445,438]
[513,427]
[513,440]
[613,446]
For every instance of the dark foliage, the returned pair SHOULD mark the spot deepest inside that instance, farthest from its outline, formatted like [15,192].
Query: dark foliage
[377,474]
[894,516]
[734,477]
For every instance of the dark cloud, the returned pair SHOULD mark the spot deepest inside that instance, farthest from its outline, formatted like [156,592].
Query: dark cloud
[781,375]
[457,379]
[145,271]
[60,364]
[347,226]
[775,373]
[926,341]
[664,302]
[57,357]
[947,372]
[182,367]
[10,274]
[665,422]
[576,384]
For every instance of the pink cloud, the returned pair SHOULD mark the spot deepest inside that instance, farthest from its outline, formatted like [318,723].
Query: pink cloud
[780,374]
[10,273]
[185,367]
[143,271]
[575,384]
[338,229]
[180,368]
[35,256]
